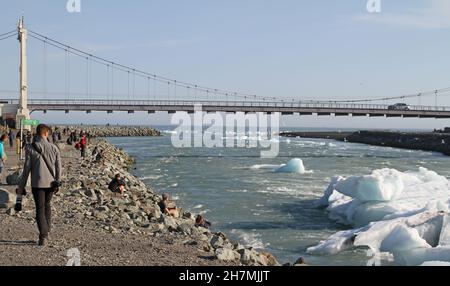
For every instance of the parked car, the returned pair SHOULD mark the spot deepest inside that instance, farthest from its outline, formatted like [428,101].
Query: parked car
[399,106]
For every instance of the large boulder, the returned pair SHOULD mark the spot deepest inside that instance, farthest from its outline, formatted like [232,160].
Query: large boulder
[185,228]
[217,241]
[7,199]
[269,259]
[169,222]
[152,210]
[250,257]
[226,254]
[14,178]
[90,193]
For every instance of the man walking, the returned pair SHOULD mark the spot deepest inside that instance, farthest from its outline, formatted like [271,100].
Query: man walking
[43,160]
[83,144]
[11,139]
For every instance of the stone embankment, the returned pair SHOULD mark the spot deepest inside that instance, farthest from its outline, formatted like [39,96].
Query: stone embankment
[435,142]
[116,131]
[86,203]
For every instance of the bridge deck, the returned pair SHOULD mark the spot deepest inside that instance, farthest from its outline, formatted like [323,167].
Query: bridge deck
[285,108]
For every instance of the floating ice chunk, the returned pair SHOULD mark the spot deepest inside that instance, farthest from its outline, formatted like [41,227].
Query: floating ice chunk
[341,208]
[420,256]
[435,263]
[408,232]
[402,238]
[368,212]
[431,230]
[444,236]
[293,166]
[338,242]
[386,194]
[381,185]
[325,200]
[402,213]
[264,166]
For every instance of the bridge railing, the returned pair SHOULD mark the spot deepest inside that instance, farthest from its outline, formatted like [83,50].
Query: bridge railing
[269,104]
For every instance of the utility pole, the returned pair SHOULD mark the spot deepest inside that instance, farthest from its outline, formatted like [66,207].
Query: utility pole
[23,112]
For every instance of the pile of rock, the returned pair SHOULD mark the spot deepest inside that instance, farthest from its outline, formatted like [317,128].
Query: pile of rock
[116,131]
[85,197]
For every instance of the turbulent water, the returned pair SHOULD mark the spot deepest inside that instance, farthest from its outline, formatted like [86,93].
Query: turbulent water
[242,195]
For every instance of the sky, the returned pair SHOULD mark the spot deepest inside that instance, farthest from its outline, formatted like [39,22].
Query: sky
[321,50]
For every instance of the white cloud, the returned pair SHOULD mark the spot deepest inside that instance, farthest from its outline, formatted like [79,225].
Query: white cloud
[435,16]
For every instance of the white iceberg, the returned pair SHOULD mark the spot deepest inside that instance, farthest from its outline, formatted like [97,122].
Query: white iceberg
[435,263]
[293,166]
[401,213]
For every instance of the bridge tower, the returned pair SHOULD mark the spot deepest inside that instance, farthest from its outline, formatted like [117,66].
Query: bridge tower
[23,112]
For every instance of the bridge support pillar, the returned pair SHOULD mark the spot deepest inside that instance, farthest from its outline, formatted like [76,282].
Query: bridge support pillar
[23,112]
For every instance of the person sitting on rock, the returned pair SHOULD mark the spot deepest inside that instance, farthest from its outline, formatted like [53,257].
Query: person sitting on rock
[95,152]
[200,221]
[168,207]
[117,185]
[99,157]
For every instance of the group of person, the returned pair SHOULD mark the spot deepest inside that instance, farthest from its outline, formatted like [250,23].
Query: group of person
[22,138]
[43,163]
[80,140]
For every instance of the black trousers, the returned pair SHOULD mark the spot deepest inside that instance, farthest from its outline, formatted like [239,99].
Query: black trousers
[42,199]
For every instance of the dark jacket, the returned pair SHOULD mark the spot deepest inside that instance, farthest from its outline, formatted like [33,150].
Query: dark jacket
[115,184]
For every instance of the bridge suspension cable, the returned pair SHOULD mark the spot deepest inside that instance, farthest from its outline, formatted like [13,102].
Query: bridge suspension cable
[138,72]
[8,35]
[419,95]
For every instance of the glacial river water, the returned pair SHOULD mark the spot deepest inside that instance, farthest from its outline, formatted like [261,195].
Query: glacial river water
[241,194]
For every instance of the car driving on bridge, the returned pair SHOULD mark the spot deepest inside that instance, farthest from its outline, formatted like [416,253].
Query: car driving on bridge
[399,106]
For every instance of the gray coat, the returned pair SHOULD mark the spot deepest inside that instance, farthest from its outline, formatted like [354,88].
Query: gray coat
[34,163]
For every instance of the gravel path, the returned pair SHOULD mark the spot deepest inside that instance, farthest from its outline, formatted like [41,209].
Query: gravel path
[18,246]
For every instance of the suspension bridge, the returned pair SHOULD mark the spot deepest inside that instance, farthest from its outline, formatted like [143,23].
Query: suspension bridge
[158,93]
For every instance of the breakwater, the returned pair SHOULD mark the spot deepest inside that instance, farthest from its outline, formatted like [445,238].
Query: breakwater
[115,131]
[426,141]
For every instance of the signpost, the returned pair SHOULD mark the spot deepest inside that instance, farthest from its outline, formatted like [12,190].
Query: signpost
[30,122]
[25,122]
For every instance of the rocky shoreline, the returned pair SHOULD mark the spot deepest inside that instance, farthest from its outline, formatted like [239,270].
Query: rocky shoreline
[116,131]
[434,142]
[85,202]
